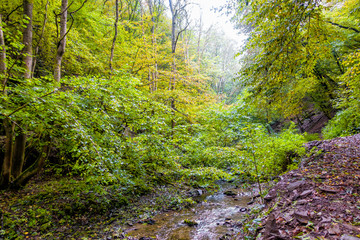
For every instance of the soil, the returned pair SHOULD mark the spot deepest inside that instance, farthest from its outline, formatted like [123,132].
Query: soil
[321,199]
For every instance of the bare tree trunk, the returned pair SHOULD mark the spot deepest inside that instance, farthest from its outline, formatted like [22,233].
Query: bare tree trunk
[7,161]
[2,54]
[40,38]
[18,155]
[5,169]
[62,43]
[115,35]
[153,74]
[174,13]
[198,44]
[33,169]
[27,38]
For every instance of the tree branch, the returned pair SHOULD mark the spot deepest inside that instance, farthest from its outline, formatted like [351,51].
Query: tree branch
[344,27]
[7,16]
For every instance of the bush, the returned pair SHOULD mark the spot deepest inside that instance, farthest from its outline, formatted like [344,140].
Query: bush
[345,123]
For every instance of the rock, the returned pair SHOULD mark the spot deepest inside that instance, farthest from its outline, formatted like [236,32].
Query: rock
[302,216]
[243,209]
[348,237]
[288,216]
[196,193]
[230,193]
[190,223]
[306,193]
[334,230]
[150,221]
[227,223]
[301,202]
[351,227]
[295,185]
[270,196]
[329,189]
[271,228]
[295,196]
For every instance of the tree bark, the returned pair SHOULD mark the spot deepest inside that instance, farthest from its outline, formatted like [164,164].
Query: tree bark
[32,170]
[115,35]
[2,53]
[27,37]
[18,158]
[40,38]
[7,161]
[62,43]
[198,44]
[153,74]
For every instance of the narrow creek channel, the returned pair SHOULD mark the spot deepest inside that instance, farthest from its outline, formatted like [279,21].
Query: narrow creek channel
[215,216]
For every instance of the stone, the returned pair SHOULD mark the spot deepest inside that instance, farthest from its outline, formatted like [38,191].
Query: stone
[190,223]
[196,193]
[302,216]
[295,185]
[306,193]
[288,216]
[329,189]
[334,230]
[301,202]
[230,193]
[243,209]
[271,227]
[270,196]
[295,195]
[348,237]
[351,227]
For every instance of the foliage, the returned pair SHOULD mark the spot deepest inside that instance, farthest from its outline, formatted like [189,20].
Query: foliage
[271,154]
[62,207]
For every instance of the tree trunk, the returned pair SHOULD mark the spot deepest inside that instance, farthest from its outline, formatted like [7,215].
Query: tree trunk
[40,38]
[7,161]
[27,38]
[18,155]
[2,54]
[62,43]
[153,74]
[33,169]
[198,44]
[115,35]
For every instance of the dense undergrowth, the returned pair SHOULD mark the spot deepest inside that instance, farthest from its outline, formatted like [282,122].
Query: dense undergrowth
[54,208]
[106,169]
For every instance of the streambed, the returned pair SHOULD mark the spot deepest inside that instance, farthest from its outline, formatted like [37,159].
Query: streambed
[216,215]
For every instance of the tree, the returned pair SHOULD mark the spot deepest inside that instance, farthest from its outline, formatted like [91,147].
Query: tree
[115,34]
[283,56]
[178,13]
[62,40]
[13,162]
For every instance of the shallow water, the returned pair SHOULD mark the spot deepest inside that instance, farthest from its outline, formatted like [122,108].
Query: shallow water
[216,215]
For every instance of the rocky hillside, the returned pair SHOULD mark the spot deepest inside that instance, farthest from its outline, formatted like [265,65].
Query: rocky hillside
[320,200]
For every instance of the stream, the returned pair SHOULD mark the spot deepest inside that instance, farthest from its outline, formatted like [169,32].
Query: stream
[215,216]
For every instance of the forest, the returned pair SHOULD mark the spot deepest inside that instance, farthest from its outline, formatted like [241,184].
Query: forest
[107,101]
